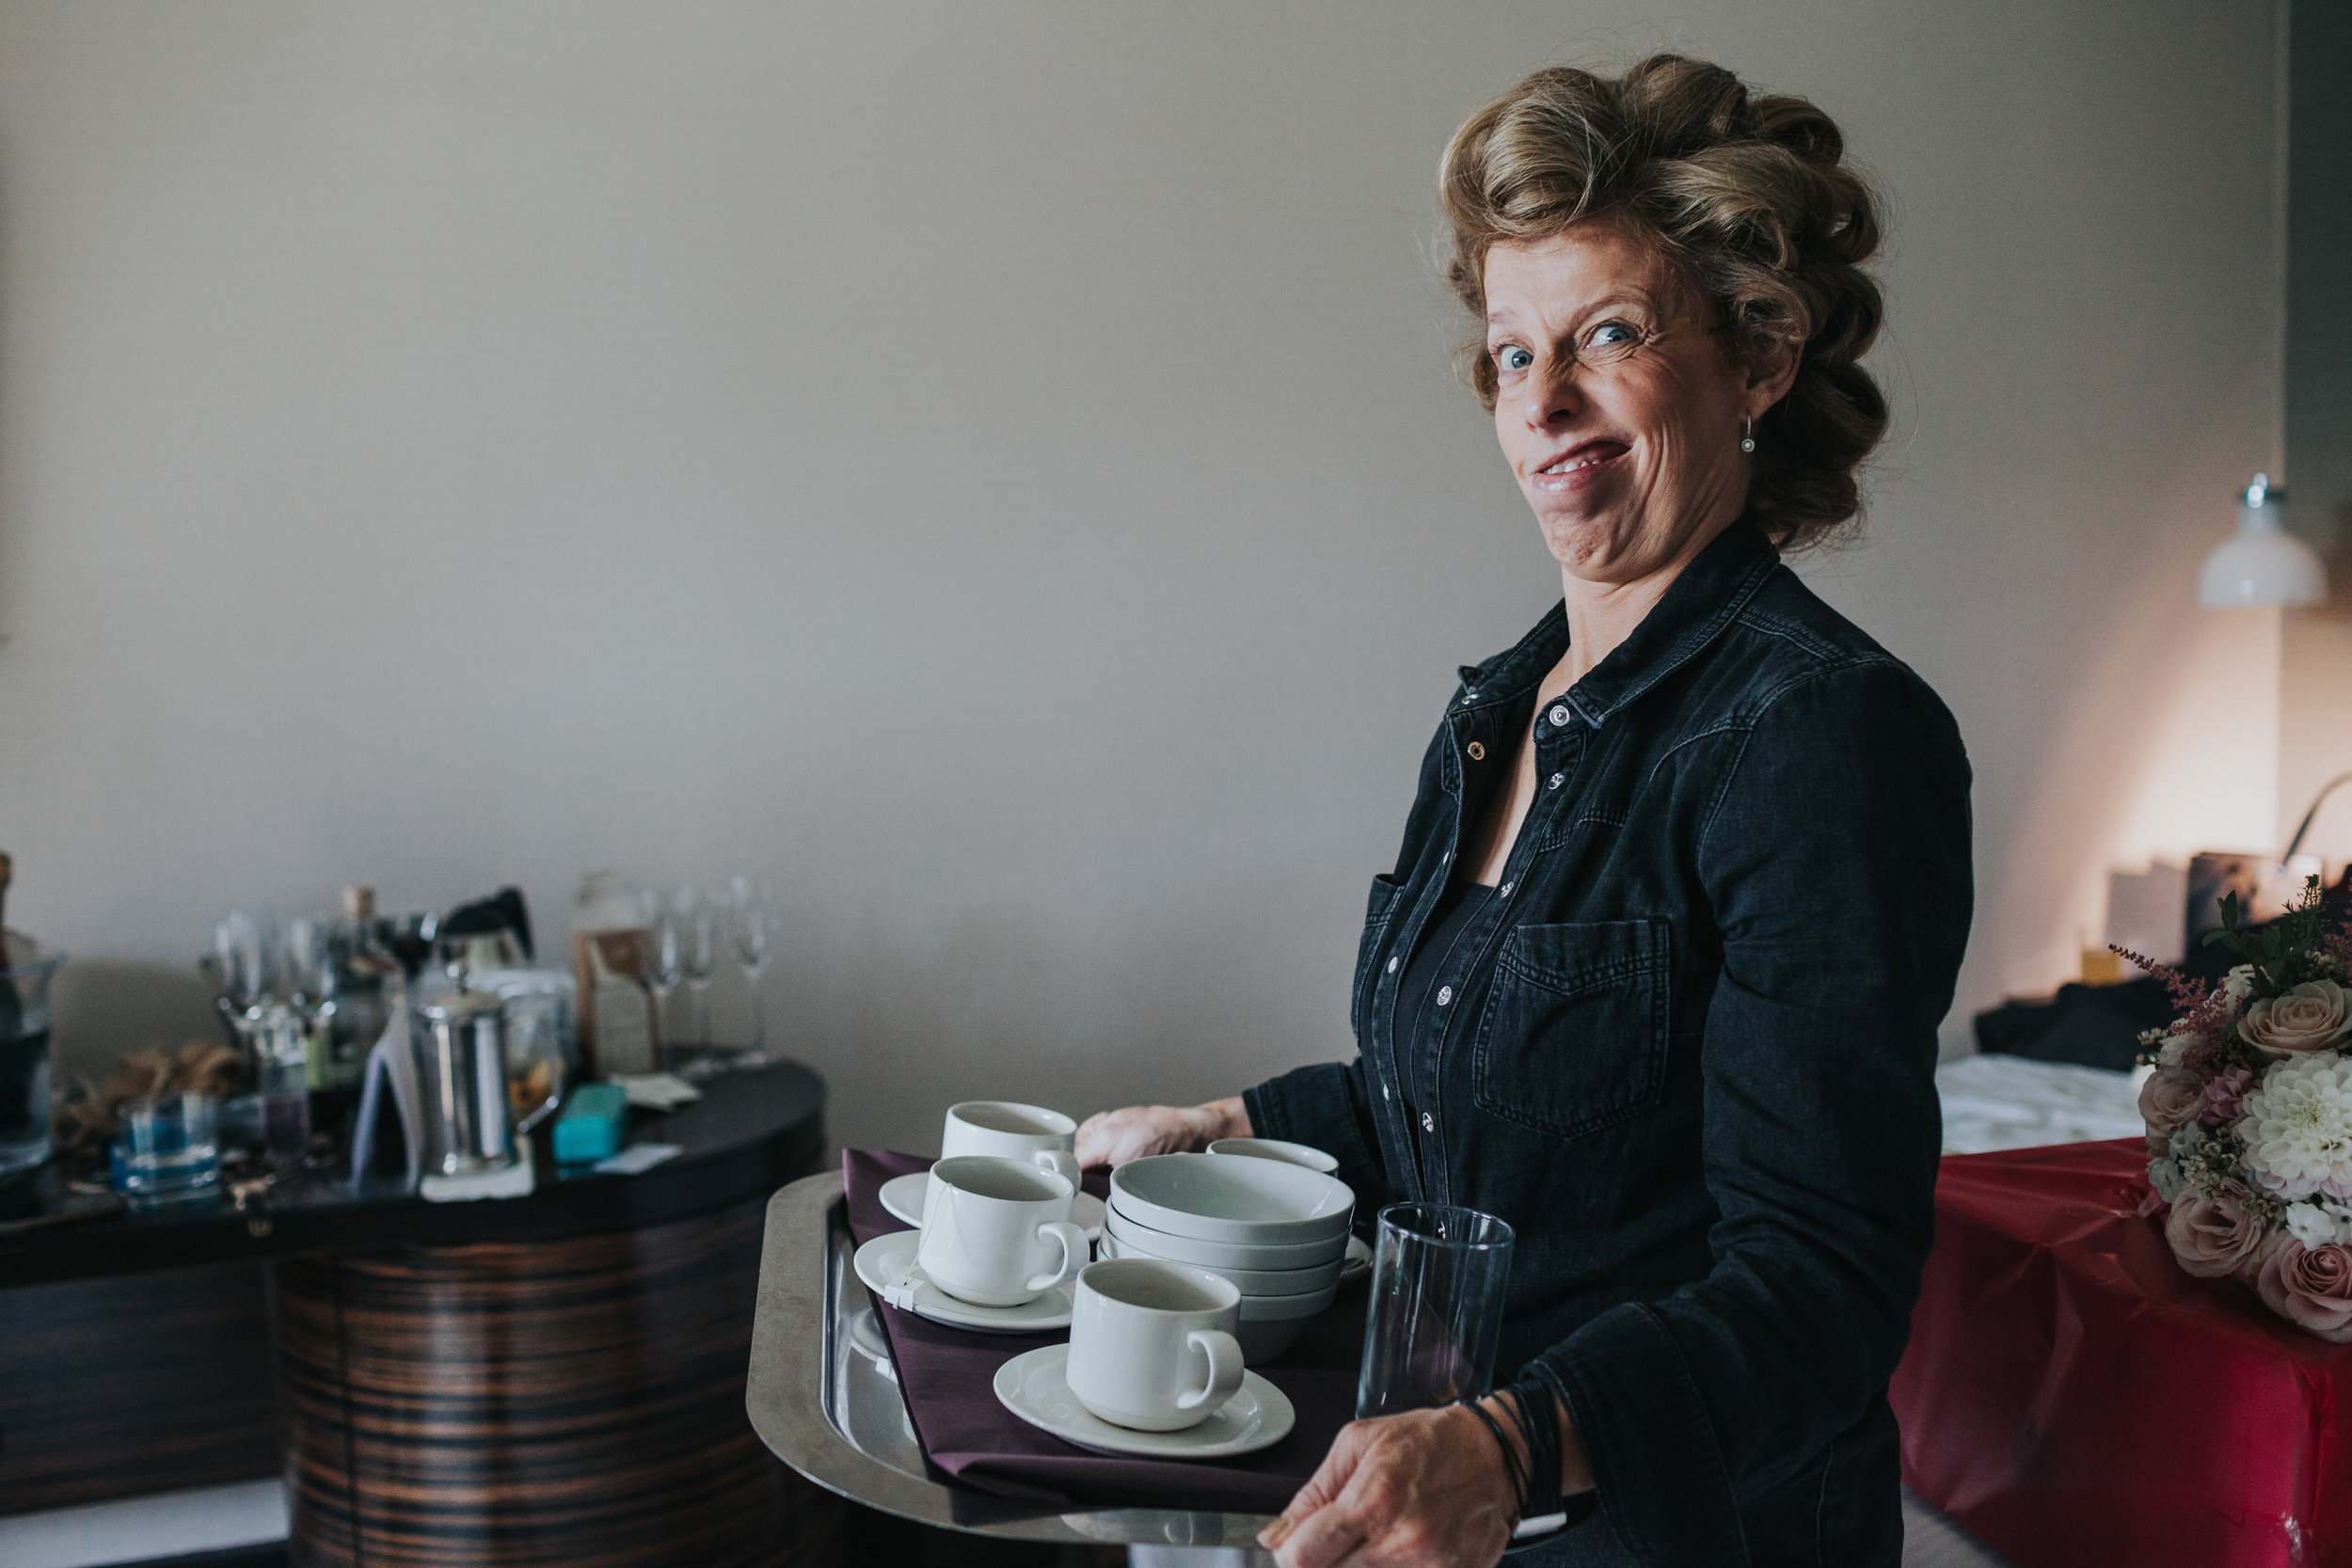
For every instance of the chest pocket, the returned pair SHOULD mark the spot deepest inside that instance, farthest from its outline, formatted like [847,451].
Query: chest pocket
[1378,909]
[1575,1031]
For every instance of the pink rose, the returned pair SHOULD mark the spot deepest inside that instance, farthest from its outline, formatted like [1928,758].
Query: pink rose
[2225,1096]
[2212,1235]
[2310,1287]
[2169,1100]
[2314,1016]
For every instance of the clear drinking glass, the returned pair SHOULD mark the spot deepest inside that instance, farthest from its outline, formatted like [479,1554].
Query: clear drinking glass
[307,968]
[171,1149]
[665,966]
[23,1054]
[540,1044]
[753,924]
[1436,1314]
[281,1067]
[242,973]
[699,918]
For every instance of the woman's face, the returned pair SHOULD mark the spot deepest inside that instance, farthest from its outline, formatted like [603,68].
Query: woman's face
[1618,410]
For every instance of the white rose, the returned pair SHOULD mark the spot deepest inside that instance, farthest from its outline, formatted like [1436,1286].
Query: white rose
[2170,1048]
[2314,1016]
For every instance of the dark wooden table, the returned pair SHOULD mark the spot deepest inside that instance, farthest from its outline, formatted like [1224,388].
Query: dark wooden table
[550,1379]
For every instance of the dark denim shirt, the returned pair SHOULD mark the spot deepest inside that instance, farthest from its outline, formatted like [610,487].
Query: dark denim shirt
[1688,1050]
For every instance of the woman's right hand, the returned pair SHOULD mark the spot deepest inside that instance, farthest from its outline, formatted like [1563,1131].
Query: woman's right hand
[1114,1137]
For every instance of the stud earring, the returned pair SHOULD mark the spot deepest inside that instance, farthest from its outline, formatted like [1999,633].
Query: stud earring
[1747,435]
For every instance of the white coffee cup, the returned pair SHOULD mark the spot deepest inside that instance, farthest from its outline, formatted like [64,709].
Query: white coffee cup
[992,1228]
[1009,1130]
[1151,1344]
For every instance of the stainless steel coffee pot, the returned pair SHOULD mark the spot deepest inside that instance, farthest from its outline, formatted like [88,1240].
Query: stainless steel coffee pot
[460,1037]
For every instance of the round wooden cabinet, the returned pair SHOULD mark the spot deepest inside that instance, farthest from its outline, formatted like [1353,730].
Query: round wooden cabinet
[575,1402]
[553,1379]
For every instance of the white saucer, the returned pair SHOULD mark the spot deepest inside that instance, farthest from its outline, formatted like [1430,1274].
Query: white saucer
[1031,1386]
[1358,1260]
[903,1197]
[886,1263]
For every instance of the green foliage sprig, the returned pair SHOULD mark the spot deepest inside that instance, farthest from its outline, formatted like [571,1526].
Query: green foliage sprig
[2282,953]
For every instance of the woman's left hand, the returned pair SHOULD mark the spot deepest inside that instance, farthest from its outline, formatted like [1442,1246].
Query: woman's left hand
[1423,1487]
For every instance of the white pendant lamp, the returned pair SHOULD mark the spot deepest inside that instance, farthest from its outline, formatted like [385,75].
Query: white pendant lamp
[2262,563]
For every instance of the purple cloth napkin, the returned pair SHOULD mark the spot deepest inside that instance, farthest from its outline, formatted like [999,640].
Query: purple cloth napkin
[948,1376]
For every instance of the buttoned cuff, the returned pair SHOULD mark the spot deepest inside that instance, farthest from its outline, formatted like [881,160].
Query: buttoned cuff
[1657,1467]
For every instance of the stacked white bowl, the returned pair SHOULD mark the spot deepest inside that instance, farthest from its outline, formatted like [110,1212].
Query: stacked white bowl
[1278,1231]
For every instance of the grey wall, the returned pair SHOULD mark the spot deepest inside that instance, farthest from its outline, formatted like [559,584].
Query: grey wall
[993,469]
[2316,739]
[2319,270]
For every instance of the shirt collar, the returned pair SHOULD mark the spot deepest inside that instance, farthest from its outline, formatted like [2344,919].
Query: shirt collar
[1694,610]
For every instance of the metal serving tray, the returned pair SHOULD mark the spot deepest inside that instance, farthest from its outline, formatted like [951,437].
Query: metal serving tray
[824,1398]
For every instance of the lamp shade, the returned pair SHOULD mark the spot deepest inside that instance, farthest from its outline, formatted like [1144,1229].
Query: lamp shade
[2262,563]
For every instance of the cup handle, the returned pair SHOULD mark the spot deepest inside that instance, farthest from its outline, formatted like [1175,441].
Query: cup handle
[1074,1253]
[1224,1353]
[1061,1163]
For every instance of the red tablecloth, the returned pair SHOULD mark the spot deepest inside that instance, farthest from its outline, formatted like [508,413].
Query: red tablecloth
[2073,1399]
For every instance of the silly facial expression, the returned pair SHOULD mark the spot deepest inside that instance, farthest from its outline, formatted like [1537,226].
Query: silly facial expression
[1618,408]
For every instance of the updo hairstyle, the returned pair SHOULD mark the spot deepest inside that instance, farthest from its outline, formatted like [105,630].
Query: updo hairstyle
[1747,194]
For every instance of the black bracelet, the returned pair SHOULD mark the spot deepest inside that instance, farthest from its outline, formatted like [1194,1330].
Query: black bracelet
[1517,1476]
[1539,1418]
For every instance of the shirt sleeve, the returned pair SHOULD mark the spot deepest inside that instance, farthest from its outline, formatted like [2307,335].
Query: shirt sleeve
[1836,861]
[1325,1106]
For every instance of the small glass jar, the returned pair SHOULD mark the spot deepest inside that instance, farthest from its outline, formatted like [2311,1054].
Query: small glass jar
[169,1150]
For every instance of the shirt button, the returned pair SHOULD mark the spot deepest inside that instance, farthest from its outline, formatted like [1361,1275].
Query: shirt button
[1506,889]
[1384,1091]
[1428,1122]
[1392,963]
[1478,750]
[1445,994]
[1559,714]
[1556,780]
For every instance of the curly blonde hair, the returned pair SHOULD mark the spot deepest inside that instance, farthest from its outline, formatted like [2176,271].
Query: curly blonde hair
[1748,195]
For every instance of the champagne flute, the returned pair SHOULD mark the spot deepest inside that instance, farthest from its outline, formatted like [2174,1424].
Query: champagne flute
[700,916]
[664,965]
[243,975]
[751,926]
[309,967]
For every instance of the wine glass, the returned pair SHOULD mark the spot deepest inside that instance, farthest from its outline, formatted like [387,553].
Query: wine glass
[306,967]
[307,964]
[242,972]
[699,915]
[752,923]
[664,962]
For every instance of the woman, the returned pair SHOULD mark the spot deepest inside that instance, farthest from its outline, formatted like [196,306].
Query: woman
[1684,889]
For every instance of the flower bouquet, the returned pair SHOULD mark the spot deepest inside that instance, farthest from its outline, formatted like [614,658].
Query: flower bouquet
[2250,1115]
